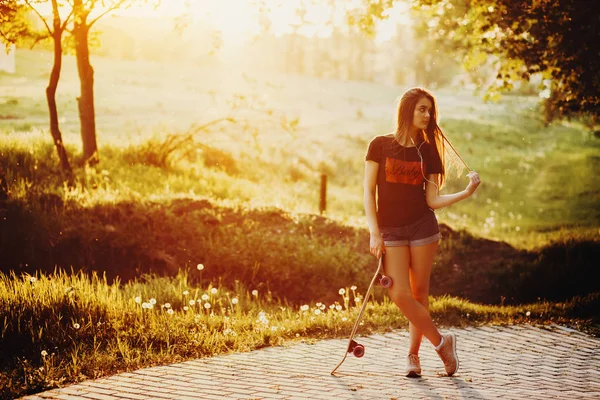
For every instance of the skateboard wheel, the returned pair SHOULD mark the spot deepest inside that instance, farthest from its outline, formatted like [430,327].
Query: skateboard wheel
[359,350]
[385,281]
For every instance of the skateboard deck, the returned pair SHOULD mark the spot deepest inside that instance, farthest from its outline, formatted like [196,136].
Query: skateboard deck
[358,350]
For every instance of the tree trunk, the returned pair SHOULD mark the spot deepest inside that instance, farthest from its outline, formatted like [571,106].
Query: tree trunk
[85,102]
[51,97]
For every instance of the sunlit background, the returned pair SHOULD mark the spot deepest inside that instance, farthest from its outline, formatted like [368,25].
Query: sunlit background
[222,209]
[299,80]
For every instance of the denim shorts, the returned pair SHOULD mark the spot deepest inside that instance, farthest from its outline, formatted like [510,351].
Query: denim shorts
[419,233]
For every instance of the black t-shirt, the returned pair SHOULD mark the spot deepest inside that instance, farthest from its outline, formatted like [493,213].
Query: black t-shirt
[400,189]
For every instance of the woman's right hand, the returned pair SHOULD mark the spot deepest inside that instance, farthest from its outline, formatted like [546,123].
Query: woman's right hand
[376,244]
[474,182]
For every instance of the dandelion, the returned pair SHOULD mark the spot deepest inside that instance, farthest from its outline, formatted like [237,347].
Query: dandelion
[234,300]
[152,301]
[44,353]
[344,319]
[297,335]
[357,299]
[331,307]
[353,288]
[200,267]
[207,305]
[274,328]
[192,302]
[185,292]
[255,292]
[342,291]
[138,299]
[167,305]
[317,312]
[170,311]
[185,308]
[76,325]
[262,317]
[204,297]
[32,280]
[214,290]
[338,307]
[304,307]
[528,313]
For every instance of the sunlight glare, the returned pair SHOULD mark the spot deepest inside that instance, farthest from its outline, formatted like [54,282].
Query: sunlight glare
[238,20]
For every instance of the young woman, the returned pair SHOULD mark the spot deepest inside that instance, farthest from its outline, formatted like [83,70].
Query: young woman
[405,169]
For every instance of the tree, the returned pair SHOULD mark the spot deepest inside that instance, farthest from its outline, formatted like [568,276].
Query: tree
[16,27]
[56,33]
[81,29]
[555,39]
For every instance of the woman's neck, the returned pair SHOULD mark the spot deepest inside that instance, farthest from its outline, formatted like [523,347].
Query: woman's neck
[408,139]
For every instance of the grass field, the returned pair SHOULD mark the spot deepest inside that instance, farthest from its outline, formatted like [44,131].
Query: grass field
[242,197]
[539,183]
[79,327]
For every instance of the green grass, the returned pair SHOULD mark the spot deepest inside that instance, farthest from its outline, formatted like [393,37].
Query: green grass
[242,198]
[538,185]
[64,328]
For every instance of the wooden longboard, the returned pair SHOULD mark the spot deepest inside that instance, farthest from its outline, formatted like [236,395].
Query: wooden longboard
[353,347]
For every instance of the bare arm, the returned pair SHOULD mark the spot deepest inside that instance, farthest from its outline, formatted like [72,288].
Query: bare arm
[376,242]
[436,200]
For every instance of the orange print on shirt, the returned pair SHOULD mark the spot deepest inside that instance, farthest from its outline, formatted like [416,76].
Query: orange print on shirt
[400,171]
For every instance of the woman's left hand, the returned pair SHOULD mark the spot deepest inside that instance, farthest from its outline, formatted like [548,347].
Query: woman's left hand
[474,182]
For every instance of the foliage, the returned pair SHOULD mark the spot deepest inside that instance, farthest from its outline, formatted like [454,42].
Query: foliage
[15,24]
[375,10]
[552,40]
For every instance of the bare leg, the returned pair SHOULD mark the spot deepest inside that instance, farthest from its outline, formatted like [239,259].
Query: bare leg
[396,265]
[421,259]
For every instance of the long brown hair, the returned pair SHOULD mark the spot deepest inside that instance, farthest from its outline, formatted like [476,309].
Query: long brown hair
[432,134]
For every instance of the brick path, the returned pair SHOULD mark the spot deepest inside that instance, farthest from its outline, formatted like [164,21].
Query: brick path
[515,362]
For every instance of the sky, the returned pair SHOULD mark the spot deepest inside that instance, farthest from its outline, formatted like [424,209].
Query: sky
[238,19]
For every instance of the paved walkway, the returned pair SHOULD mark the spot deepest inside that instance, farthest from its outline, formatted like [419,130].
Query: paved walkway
[515,362]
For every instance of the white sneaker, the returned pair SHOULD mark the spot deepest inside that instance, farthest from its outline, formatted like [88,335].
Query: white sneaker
[448,353]
[413,366]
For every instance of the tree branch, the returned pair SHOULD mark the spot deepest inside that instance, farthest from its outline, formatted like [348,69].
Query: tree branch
[39,15]
[67,20]
[39,39]
[110,9]
[216,121]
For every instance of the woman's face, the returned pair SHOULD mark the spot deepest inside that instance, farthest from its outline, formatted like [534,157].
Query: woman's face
[422,114]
